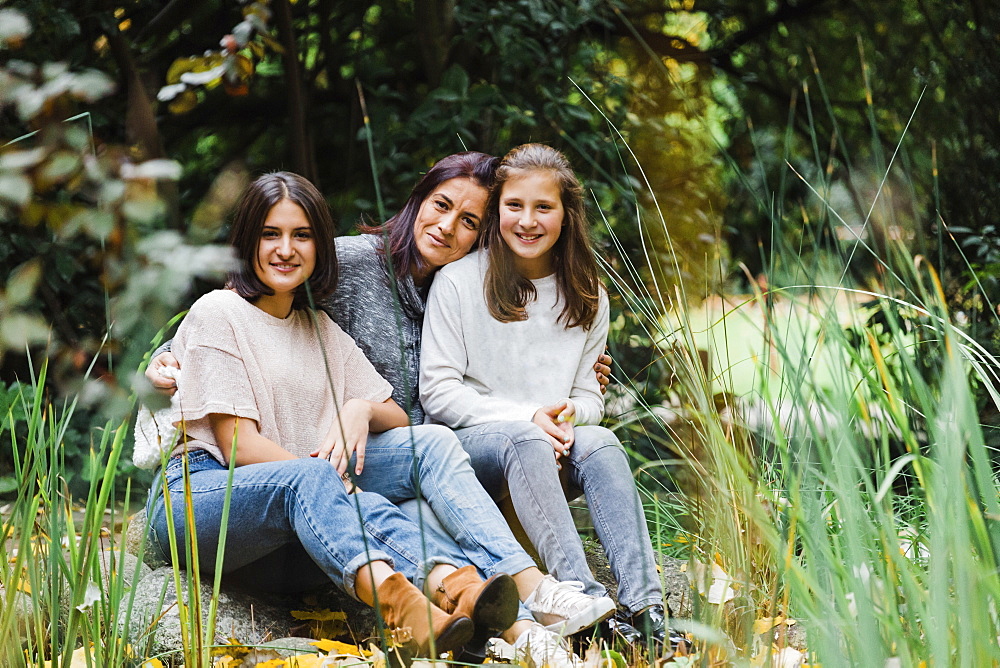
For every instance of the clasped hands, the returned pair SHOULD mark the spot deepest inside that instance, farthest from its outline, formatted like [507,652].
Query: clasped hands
[557,423]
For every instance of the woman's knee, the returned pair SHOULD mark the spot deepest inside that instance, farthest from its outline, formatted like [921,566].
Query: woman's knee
[309,473]
[435,441]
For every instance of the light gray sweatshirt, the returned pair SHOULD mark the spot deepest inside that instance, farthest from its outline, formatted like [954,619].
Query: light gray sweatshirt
[476,369]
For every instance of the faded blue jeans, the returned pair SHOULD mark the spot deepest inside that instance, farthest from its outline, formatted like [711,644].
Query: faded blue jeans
[292,525]
[515,459]
[427,462]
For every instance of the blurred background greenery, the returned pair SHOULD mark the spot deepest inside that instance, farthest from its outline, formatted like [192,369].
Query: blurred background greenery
[883,109]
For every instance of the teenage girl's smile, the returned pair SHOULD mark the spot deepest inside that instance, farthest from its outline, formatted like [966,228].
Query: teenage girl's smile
[531,220]
[286,256]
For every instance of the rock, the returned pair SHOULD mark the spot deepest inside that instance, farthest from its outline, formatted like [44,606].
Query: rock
[251,618]
[22,611]
[286,647]
[676,587]
[136,543]
[113,564]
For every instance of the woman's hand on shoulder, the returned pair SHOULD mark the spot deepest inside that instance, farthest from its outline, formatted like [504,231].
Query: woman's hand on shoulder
[162,371]
[602,367]
[557,423]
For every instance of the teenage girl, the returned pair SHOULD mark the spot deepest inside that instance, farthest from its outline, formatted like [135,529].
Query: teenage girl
[269,382]
[509,336]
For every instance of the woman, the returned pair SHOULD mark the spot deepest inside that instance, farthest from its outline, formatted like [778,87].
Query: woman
[385,464]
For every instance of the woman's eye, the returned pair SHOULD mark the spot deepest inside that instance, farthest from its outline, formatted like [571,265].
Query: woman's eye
[303,235]
[470,223]
[513,205]
[544,207]
[441,205]
[269,234]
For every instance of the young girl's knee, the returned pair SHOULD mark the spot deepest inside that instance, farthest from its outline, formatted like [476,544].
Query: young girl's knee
[592,439]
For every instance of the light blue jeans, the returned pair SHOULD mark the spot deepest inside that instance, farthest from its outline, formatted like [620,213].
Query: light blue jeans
[292,525]
[515,459]
[429,463]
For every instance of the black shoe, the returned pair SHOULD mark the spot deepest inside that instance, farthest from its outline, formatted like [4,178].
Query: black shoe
[471,654]
[614,633]
[651,625]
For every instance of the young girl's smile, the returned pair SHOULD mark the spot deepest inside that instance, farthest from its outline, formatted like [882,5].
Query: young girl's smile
[531,220]
[286,254]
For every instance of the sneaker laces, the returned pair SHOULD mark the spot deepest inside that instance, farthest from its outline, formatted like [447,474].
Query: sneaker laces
[564,597]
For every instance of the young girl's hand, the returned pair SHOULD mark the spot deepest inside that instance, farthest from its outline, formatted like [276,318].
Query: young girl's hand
[557,423]
[347,436]
[158,375]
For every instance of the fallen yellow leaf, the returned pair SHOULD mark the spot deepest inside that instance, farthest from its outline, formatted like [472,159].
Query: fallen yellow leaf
[765,624]
[337,647]
[306,661]
[77,660]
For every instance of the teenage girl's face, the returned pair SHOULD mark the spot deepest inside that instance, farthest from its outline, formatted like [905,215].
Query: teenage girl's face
[531,220]
[447,224]
[286,253]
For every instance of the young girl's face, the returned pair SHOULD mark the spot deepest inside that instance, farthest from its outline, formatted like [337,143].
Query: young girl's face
[286,252]
[531,220]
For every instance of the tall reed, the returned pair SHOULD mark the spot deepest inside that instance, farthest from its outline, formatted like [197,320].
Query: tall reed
[852,489]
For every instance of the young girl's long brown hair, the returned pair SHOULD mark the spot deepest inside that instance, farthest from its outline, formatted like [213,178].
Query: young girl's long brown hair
[506,291]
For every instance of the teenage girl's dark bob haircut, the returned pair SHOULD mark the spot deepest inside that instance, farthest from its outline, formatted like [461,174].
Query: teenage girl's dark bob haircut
[248,223]
[402,245]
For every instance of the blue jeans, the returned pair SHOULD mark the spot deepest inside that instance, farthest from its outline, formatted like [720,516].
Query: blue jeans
[515,459]
[428,462]
[292,523]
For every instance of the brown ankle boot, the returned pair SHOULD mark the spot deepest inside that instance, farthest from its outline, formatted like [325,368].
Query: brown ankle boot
[492,605]
[404,608]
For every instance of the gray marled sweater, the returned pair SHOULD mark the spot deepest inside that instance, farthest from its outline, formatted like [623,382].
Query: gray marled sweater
[386,328]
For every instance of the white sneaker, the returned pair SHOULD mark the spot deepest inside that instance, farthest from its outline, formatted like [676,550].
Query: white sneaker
[563,608]
[540,648]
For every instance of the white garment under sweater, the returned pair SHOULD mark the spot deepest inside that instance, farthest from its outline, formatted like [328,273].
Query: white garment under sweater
[239,360]
[476,369]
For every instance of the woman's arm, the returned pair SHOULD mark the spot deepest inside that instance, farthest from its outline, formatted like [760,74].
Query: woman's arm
[251,447]
[161,381]
[349,433]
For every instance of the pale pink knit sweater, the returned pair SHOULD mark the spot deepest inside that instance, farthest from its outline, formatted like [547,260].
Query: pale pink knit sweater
[238,360]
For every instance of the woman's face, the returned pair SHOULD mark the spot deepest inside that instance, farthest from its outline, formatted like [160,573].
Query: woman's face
[286,252]
[447,224]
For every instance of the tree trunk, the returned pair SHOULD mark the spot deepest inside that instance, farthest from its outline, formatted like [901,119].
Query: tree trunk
[435,21]
[298,139]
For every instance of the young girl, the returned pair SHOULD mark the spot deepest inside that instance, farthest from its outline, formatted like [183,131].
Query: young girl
[269,382]
[509,336]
